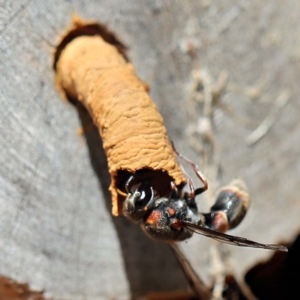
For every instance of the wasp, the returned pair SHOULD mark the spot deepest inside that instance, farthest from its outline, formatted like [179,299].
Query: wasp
[176,218]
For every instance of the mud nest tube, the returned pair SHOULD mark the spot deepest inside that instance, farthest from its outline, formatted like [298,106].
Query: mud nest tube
[91,66]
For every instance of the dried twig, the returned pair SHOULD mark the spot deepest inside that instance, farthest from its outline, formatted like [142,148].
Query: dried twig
[210,97]
[269,121]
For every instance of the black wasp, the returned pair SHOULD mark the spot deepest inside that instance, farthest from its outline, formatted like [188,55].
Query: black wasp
[176,217]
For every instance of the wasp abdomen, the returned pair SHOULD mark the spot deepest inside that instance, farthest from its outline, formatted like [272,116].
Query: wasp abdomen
[230,208]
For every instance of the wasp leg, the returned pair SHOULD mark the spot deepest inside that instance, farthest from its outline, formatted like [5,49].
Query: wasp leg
[173,187]
[197,172]
[190,183]
[174,190]
[198,286]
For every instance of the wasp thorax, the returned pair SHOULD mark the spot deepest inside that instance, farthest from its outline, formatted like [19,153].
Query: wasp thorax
[165,220]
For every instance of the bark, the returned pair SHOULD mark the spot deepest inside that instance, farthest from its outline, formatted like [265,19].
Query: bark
[57,233]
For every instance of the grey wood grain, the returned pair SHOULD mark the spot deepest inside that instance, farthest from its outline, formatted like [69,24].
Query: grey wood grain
[57,233]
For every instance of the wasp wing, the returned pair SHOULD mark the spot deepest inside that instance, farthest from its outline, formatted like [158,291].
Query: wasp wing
[230,239]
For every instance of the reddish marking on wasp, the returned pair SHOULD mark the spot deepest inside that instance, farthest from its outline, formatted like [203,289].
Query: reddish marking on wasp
[154,218]
[221,221]
[176,224]
[171,211]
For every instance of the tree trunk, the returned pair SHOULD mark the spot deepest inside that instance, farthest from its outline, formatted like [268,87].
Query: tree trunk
[57,232]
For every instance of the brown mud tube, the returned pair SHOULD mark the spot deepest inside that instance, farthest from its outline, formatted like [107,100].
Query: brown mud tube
[91,66]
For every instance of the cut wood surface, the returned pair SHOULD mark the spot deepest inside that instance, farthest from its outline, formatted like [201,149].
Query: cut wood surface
[56,229]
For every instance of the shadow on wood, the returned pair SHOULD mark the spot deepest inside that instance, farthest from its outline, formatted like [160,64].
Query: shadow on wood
[148,264]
